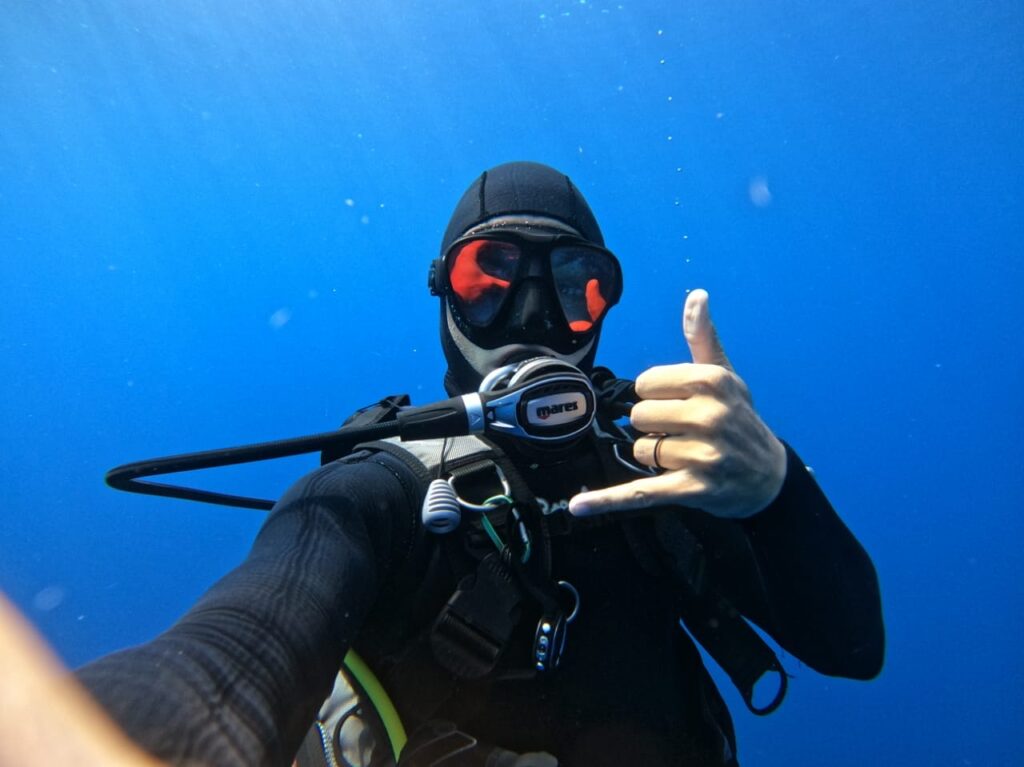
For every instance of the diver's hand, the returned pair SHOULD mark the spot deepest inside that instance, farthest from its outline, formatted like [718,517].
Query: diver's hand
[47,717]
[702,430]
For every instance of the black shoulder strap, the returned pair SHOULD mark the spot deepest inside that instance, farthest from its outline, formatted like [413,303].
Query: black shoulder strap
[662,541]
[712,619]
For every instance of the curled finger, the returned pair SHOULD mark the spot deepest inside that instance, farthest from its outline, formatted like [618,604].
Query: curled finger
[674,452]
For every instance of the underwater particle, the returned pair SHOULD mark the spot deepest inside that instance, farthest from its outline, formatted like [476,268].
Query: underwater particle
[280,318]
[668,138]
[313,294]
[661,61]
[349,202]
[677,202]
[364,219]
[759,192]
[719,115]
[669,98]
[661,32]
[49,598]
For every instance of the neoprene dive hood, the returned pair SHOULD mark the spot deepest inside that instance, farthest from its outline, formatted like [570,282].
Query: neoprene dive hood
[538,205]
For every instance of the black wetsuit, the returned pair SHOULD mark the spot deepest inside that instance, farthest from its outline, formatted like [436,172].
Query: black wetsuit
[239,678]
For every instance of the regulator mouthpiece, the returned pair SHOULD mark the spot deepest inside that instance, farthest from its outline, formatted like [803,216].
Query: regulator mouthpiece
[542,400]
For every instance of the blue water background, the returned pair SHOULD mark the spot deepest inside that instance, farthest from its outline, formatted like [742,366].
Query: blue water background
[216,221]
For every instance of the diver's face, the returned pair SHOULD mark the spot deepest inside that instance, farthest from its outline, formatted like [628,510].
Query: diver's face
[512,295]
[518,286]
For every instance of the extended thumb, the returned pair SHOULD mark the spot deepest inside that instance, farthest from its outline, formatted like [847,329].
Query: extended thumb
[700,333]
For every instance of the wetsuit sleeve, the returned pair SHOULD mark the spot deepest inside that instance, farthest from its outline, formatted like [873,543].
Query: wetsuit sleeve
[799,573]
[239,678]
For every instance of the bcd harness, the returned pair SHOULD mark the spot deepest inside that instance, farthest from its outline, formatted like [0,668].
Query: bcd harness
[500,554]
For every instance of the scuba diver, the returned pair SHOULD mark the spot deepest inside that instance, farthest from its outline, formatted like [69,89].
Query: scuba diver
[531,594]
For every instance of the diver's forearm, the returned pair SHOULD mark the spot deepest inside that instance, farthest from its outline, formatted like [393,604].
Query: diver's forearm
[239,678]
[824,603]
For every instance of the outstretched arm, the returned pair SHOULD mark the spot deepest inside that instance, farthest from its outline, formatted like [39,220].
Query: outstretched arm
[239,679]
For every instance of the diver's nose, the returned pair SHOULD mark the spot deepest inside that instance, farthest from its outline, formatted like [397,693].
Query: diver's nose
[533,310]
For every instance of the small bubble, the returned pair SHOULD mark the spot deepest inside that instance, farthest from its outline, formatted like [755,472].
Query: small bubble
[719,115]
[661,32]
[364,219]
[49,598]
[759,192]
[661,61]
[349,202]
[280,318]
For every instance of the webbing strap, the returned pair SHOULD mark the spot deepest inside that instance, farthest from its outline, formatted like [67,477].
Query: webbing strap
[712,619]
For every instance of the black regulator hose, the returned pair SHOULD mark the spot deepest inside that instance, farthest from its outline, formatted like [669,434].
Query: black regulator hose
[556,405]
[129,476]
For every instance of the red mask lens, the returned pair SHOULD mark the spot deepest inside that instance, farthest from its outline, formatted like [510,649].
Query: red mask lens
[481,272]
[587,282]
